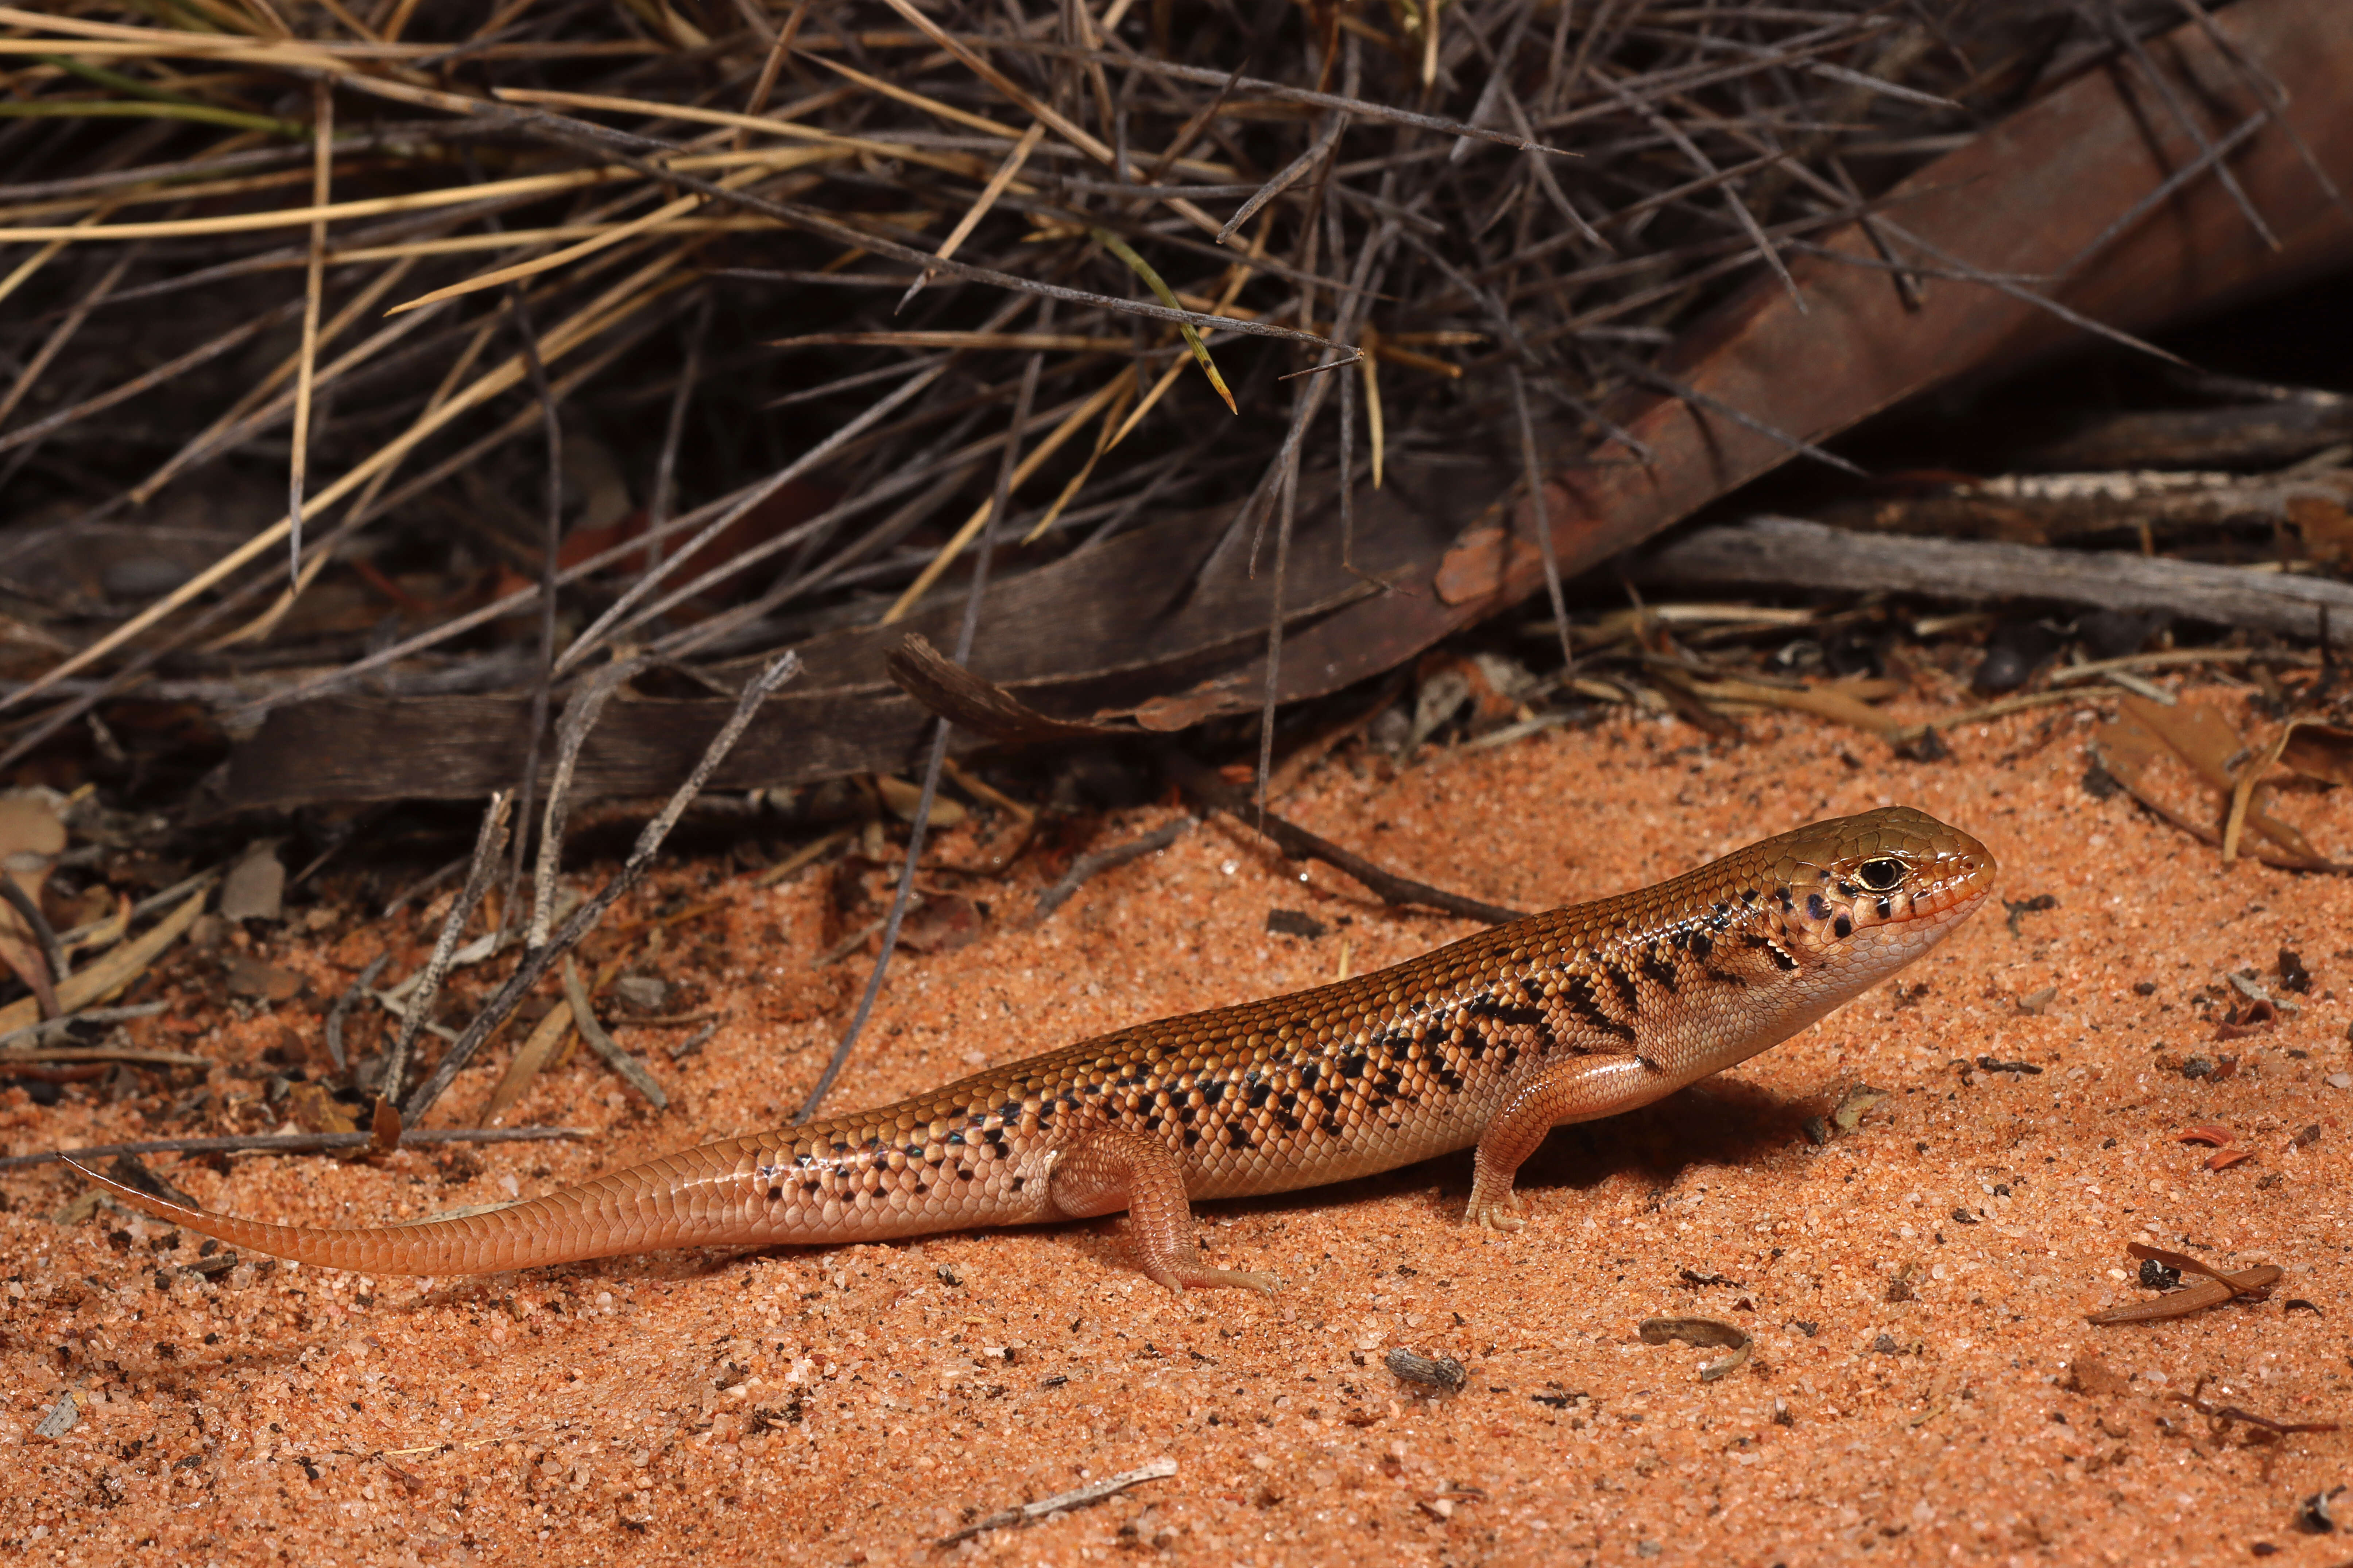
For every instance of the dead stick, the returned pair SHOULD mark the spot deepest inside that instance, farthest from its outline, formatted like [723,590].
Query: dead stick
[1299,844]
[1061,1503]
[1088,865]
[1783,550]
[487,846]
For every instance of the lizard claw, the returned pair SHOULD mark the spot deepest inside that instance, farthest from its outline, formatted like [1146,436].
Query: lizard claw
[1504,1216]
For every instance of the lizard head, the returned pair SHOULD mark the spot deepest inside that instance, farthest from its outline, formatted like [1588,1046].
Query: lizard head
[1860,897]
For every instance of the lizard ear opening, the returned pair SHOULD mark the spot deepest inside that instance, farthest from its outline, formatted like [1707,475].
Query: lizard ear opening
[1883,875]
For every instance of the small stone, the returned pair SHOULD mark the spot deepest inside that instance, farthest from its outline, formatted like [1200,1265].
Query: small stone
[2340,1080]
[2198,1067]
[249,976]
[643,992]
[256,888]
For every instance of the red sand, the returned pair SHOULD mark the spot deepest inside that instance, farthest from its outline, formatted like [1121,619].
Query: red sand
[848,1404]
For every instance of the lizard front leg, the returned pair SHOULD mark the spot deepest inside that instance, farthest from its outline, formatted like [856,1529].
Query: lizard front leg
[1544,1095]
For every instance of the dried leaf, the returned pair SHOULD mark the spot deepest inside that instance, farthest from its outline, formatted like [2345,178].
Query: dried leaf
[941,923]
[2318,751]
[2175,761]
[2217,1137]
[113,972]
[249,976]
[631,1070]
[384,1128]
[1705,1333]
[255,888]
[532,1055]
[30,839]
[313,1109]
[2228,1158]
[902,797]
[2220,1287]
[1851,1109]
[99,934]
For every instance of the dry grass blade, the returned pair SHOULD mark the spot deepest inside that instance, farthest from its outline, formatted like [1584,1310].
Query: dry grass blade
[1168,296]
[1094,147]
[1366,109]
[997,182]
[1071,343]
[633,293]
[322,107]
[964,536]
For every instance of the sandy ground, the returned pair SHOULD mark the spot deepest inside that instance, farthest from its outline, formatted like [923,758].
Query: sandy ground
[1924,1387]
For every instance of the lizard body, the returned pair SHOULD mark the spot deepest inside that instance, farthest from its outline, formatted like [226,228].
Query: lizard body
[1489,1042]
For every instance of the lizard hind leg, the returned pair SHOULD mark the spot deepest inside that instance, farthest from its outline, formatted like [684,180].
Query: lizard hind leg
[1114,1168]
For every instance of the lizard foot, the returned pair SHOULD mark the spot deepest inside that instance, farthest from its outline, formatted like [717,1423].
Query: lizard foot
[1200,1278]
[1504,1216]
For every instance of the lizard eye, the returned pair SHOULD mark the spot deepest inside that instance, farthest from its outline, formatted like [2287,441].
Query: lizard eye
[1881,876]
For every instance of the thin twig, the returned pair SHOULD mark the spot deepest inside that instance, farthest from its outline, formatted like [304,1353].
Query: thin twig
[340,1014]
[537,961]
[581,712]
[1539,514]
[1299,844]
[426,989]
[1095,863]
[1062,1502]
[982,556]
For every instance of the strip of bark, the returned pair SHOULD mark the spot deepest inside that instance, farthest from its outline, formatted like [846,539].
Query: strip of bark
[1784,551]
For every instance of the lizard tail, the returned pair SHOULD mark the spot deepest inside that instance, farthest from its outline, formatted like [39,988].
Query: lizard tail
[649,1207]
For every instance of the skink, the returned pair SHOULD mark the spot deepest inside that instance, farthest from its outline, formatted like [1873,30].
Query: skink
[1489,1042]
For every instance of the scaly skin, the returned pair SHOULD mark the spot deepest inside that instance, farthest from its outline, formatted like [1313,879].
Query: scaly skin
[1490,1042]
